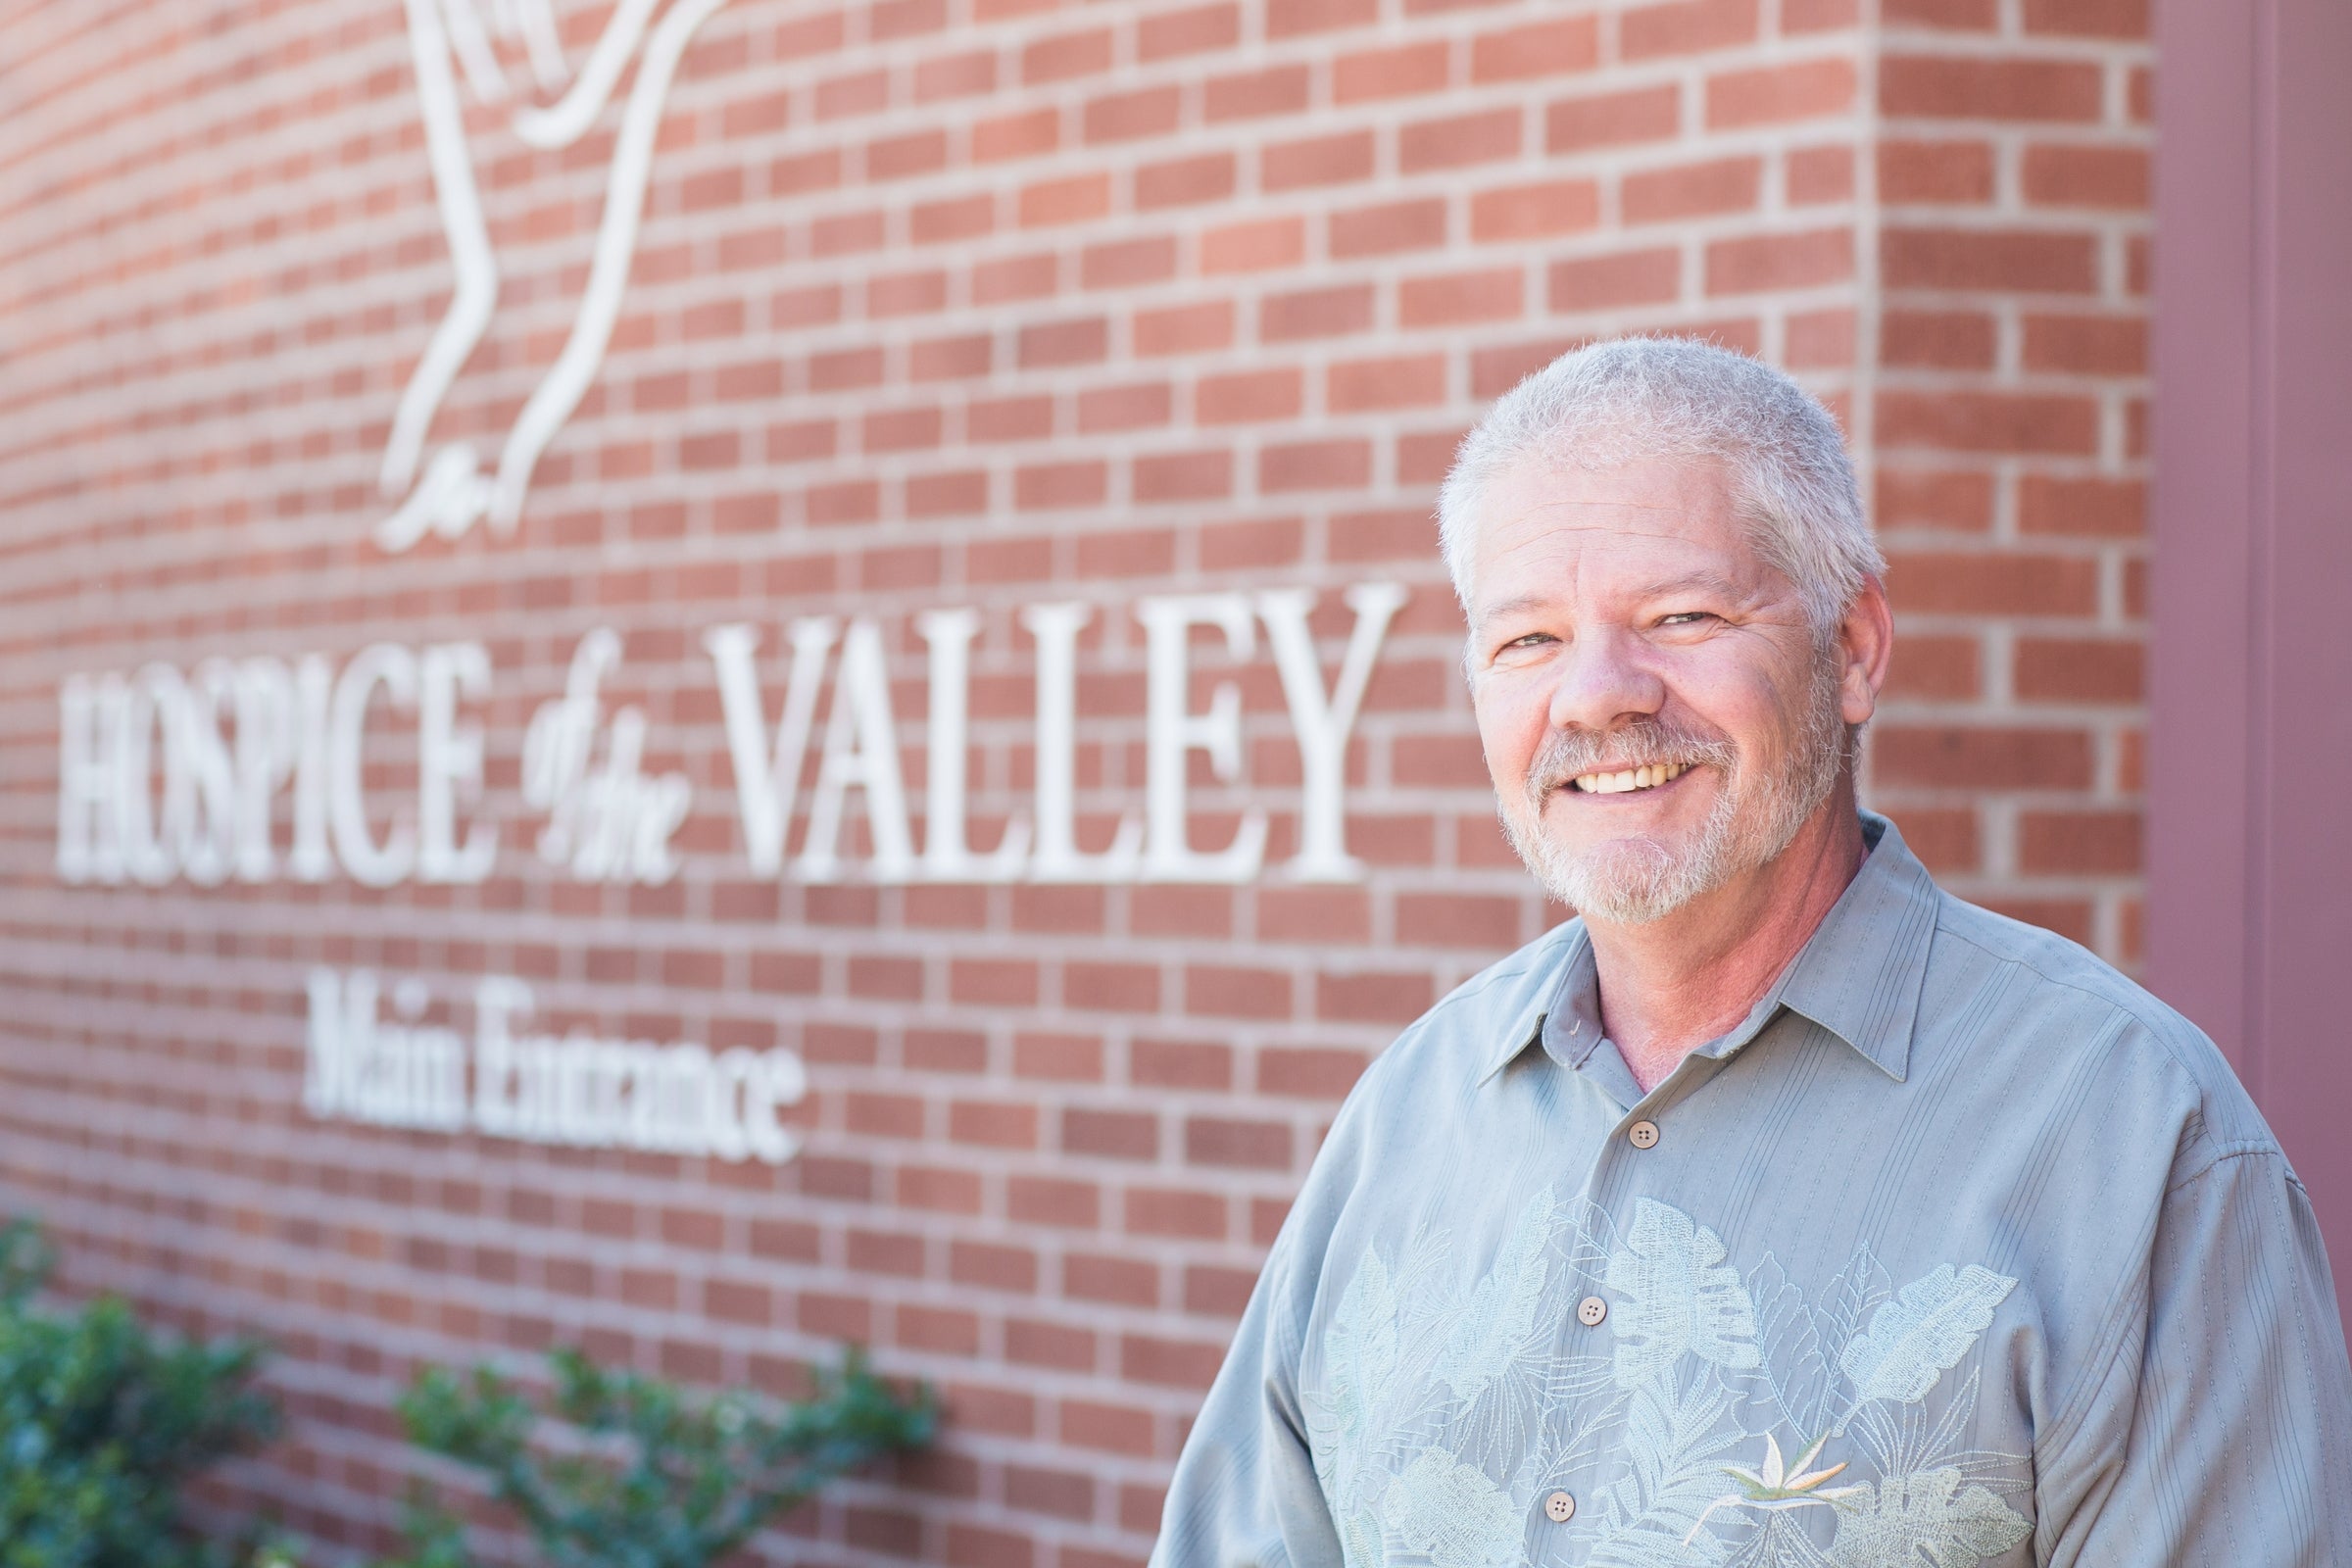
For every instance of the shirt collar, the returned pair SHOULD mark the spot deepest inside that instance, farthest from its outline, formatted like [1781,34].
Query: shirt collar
[1858,976]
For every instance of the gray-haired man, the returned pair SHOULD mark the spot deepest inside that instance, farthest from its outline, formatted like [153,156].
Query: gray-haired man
[1781,1210]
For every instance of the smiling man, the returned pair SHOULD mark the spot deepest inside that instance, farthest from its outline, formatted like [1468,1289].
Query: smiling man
[1781,1210]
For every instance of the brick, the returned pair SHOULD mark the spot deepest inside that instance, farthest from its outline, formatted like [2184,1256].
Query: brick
[1457,298]
[1031,134]
[1372,997]
[961,75]
[1314,465]
[1934,499]
[1691,190]
[1966,259]
[1612,119]
[1936,668]
[1988,421]
[1820,174]
[1227,1141]
[1959,87]
[2078,843]
[1130,1282]
[1277,90]
[1944,340]
[1948,171]
[1291,19]
[1780,262]
[1067,55]
[2077,669]
[1317,161]
[1256,246]
[1130,116]
[1392,383]
[2088,345]
[1172,1212]
[1181,1064]
[1115,1135]
[1770,95]
[2087,19]
[1398,73]
[1539,49]
[1388,228]
[1185,182]
[1970,16]
[2103,508]
[1112,1429]
[1629,278]
[1190,30]
[1988,584]
[1084,341]
[1064,200]
[1990,757]
[1248,397]
[1685,26]
[2110,177]
[1535,211]
[1458,141]
[1315,312]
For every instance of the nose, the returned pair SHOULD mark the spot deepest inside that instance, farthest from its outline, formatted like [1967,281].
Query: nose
[1602,682]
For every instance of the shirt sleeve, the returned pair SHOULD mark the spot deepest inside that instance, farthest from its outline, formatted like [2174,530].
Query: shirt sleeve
[2222,1432]
[1244,1493]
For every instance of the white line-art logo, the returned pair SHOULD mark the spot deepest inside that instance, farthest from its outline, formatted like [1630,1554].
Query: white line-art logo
[453,37]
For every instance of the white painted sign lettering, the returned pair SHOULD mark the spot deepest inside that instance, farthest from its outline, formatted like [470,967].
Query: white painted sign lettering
[573,1089]
[164,776]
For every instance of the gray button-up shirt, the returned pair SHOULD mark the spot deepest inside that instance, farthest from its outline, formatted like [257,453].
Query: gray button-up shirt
[1961,1249]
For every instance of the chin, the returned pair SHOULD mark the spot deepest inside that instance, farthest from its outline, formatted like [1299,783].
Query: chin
[1625,881]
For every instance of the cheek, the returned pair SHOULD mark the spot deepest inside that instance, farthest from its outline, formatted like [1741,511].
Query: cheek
[1737,700]
[1510,711]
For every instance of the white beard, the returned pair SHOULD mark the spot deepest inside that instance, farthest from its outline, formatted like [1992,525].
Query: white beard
[1634,880]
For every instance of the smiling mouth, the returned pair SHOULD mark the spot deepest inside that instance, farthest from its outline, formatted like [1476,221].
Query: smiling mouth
[1629,780]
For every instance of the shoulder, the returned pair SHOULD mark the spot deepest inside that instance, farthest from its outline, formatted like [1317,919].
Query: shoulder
[1471,1024]
[2050,1005]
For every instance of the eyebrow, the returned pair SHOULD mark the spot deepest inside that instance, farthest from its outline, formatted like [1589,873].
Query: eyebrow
[1708,581]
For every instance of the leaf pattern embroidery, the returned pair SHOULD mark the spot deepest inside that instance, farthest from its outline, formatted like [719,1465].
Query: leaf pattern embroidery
[1930,1517]
[1453,1515]
[1440,1411]
[1500,1317]
[1676,1298]
[1918,1337]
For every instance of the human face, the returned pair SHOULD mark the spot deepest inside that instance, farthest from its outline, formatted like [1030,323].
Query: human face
[1658,715]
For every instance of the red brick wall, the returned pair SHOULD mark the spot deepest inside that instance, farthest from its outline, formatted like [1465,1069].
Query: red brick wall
[970,303]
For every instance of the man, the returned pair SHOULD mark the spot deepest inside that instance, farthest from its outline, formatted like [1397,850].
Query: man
[1781,1210]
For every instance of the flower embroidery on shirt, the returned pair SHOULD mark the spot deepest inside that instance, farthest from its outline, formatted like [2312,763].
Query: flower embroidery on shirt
[1440,1411]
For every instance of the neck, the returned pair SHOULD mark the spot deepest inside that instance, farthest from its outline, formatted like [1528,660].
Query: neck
[1668,986]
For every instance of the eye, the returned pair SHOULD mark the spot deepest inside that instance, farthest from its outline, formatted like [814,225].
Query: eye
[1687,618]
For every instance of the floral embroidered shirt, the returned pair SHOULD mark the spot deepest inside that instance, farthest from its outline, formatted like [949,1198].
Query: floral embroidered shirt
[1961,1249]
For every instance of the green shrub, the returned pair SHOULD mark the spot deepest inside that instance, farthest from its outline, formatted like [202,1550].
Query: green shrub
[637,1473]
[101,1423]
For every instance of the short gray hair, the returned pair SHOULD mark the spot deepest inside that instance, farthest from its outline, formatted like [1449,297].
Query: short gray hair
[1618,402]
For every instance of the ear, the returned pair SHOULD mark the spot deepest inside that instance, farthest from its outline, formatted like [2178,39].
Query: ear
[1866,649]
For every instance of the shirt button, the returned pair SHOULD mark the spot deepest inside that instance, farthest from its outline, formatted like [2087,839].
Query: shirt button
[1642,1135]
[1559,1508]
[1591,1311]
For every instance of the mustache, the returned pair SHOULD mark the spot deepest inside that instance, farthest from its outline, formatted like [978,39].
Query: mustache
[1567,754]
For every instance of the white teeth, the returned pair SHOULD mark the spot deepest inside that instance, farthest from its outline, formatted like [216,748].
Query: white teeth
[1647,776]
